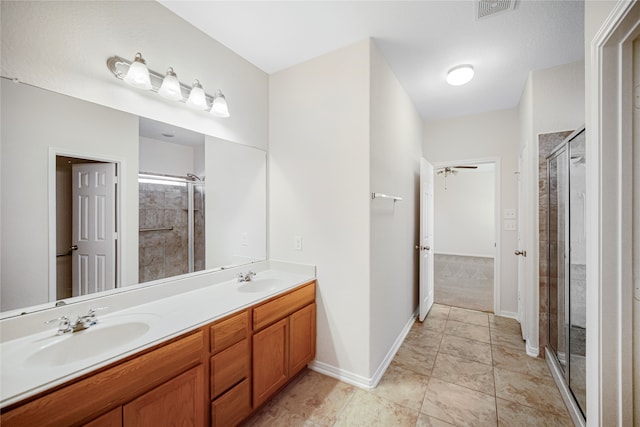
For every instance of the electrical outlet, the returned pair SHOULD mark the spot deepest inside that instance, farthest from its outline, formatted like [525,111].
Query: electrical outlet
[297,243]
[509,214]
[510,225]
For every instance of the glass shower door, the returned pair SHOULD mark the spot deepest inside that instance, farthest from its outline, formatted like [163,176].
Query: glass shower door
[558,260]
[577,271]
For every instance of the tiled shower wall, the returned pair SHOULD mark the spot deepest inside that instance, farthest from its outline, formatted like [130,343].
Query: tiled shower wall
[546,144]
[164,253]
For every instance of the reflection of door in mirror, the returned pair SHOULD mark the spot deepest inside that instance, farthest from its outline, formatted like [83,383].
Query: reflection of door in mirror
[85,226]
[171,201]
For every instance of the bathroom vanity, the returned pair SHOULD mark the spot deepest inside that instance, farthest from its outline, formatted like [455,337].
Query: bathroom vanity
[215,372]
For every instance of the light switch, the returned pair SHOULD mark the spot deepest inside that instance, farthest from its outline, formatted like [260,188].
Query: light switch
[509,214]
[510,224]
[297,244]
[244,240]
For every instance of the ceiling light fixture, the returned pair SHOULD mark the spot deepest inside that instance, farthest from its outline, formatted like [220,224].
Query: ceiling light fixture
[136,74]
[460,75]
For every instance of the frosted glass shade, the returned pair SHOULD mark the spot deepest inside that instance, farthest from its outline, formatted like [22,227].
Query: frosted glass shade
[460,75]
[197,98]
[170,88]
[138,74]
[219,107]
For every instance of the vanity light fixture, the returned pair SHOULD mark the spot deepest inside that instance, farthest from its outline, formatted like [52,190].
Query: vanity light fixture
[219,107]
[462,74]
[136,74]
[170,88]
[197,97]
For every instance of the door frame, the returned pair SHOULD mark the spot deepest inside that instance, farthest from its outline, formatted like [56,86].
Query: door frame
[609,217]
[120,207]
[497,260]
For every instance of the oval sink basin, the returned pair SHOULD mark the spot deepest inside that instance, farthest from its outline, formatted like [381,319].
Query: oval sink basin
[85,344]
[259,285]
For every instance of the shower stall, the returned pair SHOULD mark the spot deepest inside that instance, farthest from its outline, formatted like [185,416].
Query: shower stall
[171,217]
[566,272]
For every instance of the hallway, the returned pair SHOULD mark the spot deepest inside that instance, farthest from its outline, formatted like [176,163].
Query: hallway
[459,367]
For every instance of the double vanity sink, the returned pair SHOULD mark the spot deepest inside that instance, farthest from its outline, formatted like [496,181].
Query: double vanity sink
[38,361]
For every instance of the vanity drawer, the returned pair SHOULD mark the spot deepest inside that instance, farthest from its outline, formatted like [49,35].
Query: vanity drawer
[229,331]
[229,367]
[232,407]
[280,307]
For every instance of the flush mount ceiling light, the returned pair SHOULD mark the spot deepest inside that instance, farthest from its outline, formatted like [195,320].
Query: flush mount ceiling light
[460,75]
[136,74]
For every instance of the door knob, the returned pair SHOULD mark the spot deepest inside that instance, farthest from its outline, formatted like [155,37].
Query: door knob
[519,252]
[422,248]
[73,248]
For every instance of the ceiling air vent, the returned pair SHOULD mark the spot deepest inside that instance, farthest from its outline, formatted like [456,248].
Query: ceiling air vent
[485,8]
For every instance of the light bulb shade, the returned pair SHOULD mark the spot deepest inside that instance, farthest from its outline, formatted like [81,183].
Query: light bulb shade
[460,75]
[170,88]
[138,74]
[197,98]
[219,106]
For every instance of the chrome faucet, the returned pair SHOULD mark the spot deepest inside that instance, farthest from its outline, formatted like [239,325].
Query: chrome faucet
[242,277]
[82,322]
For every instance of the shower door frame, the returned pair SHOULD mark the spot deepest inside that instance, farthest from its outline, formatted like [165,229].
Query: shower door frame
[578,413]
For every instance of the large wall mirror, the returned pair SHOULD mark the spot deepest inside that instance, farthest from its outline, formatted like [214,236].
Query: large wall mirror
[95,199]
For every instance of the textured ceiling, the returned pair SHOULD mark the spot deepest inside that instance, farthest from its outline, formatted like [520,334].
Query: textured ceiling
[421,40]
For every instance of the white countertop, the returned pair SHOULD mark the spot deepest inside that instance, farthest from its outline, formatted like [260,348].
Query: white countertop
[23,373]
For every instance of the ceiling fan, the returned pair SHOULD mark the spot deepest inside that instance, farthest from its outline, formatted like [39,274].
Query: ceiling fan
[451,170]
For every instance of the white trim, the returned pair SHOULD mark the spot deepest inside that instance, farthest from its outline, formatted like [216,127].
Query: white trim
[509,314]
[567,397]
[382,368]
[341,374]
[460,254]
[497,273]
[609,282]
[120,218]
[531,350]
[359,380]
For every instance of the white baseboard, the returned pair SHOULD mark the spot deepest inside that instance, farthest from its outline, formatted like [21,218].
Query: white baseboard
[359,380]
[382,368]
[509,314]
[532,351]
[341,374]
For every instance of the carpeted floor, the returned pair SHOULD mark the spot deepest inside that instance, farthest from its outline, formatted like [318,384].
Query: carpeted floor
[464,281]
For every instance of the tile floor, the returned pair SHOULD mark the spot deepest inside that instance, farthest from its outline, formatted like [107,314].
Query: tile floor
[460,367]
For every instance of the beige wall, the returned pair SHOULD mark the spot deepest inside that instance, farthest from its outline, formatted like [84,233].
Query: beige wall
[482,136]
[63,46]
[396,148]
[319,190]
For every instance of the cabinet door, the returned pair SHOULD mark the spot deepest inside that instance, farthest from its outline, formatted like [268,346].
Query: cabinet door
[179,401]
[270,361]
[302,338]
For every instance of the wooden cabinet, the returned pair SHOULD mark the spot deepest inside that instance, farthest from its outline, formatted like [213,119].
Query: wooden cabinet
[110,419]
[216,375]
[302,338]
[86,399]
[176,402]
[230,370]
[270,361]
[282,349]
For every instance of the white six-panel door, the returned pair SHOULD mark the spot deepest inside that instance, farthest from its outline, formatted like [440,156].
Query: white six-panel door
[425,246]
[93,227]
